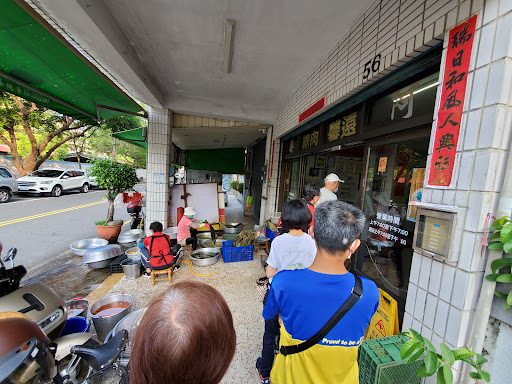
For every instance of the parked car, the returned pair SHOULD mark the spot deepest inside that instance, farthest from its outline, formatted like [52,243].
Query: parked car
[53,181]
[92,179]
[8,185]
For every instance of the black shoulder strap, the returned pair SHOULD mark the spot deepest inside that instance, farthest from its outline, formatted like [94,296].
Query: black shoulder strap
[357,293]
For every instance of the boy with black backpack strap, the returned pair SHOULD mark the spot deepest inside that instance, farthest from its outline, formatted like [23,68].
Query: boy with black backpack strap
[325,310]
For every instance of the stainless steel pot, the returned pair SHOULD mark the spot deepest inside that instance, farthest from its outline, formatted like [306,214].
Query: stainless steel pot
[104,324]
[205,256]
[233,230]
[202,237]
[81,246]
[210,244]
[172,232]
[130,236]
[130,323]
[101,257]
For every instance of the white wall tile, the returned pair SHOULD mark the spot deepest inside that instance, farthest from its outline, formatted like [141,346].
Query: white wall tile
[419,306]
[426,264]
[503,38]
[441,317]
[471,129]
[500,76]
[411,298]
[407,322]
[435,277]
[445,291]
[479,87]
[490,10]
[430,311]
[415,268]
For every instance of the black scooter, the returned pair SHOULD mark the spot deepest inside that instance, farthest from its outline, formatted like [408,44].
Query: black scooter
[10,278]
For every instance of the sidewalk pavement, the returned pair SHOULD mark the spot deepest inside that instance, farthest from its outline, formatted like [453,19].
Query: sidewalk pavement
[237,284]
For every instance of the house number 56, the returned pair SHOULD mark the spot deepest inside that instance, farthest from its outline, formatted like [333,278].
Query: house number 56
[371,66]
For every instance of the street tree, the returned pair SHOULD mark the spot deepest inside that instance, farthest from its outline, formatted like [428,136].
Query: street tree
[46,130]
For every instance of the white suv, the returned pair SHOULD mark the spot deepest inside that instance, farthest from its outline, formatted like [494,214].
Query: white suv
[53,181]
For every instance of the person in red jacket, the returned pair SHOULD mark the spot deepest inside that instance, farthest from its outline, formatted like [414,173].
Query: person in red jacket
[157,247]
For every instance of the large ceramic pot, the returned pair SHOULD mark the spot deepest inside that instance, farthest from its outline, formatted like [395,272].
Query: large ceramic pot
[109,232]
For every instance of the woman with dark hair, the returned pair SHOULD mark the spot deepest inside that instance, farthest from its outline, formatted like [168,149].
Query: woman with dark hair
[186,336]
[292,250]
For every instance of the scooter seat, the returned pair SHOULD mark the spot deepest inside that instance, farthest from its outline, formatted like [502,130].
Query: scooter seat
[98,357]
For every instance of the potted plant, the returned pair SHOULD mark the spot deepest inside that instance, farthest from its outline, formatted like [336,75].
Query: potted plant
[115,178]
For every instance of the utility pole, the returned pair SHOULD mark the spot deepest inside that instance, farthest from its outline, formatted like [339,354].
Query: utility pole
[114,149]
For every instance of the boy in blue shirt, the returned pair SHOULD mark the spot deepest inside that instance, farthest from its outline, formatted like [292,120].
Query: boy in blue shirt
[306,299]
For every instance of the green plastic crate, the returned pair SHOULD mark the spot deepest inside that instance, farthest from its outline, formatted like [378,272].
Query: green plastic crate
[380,363]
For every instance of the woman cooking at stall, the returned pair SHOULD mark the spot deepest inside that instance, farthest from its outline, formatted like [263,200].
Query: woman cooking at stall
[187,228]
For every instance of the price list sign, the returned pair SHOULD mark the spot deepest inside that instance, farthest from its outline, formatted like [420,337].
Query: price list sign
[452,102]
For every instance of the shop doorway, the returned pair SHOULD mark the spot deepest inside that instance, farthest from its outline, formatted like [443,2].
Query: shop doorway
[394,177]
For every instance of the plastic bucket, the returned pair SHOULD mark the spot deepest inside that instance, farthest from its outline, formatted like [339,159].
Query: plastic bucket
[131,268]
[104,321]
[76,324]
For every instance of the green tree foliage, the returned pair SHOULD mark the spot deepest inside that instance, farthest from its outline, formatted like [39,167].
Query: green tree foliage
[101,143]
[115,178]
[45,130]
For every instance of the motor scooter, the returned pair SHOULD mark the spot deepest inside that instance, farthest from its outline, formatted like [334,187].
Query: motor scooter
[10,278]
[28,356]
[43,306]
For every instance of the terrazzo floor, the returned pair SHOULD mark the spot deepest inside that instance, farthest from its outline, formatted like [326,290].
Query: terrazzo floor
[237,284]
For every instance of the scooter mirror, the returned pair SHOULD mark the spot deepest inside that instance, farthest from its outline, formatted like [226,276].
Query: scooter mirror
[11,254]
[1,247]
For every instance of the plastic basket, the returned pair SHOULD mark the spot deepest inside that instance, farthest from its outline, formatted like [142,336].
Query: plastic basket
[380,363]
[270,234]
[231,254]
[115,266]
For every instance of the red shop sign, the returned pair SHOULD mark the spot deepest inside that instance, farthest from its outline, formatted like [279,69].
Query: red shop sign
[453,93]
[314,108]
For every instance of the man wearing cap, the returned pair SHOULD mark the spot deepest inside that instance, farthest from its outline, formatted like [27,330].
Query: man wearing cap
[185,235]
[328,191]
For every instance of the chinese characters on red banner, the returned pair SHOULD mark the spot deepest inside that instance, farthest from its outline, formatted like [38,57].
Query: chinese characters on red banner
[452,102]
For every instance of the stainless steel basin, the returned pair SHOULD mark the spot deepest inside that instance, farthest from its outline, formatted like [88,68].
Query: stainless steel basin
[130,236]
[205,256]
[233,230]
[81,246]
[172,232]
[101,257]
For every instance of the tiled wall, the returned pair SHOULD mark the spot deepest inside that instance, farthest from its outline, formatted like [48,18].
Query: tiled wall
[158,162]
[442,297]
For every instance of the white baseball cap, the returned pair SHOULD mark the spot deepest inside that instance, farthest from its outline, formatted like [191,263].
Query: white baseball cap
[332,177]
[189,211]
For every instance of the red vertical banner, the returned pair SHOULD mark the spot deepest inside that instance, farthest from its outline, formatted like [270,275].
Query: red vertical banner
[449,115]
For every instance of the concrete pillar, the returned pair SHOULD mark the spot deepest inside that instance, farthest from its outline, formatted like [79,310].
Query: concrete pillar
[158,164]
[274,173]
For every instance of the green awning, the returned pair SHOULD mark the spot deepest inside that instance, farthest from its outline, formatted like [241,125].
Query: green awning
[132,136]
[230,160]
[37,64]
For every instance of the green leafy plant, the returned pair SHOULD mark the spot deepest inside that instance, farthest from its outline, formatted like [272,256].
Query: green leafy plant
[234,185]
[501,239]
[100,223]
[115,178]
[442,363]
[240,187]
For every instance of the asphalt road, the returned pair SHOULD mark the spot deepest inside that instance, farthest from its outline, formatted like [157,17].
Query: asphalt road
[42,228]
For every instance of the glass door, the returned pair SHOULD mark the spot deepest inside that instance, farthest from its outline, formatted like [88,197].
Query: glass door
[394,177]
